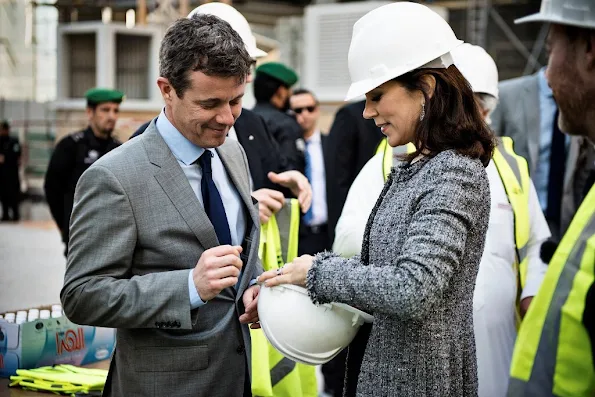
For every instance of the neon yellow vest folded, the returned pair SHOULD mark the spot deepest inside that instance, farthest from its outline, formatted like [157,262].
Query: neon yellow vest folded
[272,373]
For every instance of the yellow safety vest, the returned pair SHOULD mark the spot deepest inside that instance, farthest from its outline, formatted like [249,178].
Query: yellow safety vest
[272,373]
[553,352]
[514,173]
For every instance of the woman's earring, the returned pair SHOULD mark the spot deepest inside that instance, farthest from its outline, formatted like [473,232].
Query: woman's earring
[423,111]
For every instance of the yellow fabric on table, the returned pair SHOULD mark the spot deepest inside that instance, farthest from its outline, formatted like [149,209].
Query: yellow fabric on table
[60,379]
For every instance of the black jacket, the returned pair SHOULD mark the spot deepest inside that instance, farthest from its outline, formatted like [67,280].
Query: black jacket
[72,156]
[261,149]
[10,150]
[352,141]
[287,132]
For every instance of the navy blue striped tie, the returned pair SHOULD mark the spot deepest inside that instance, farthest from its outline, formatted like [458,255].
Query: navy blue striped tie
[212,200]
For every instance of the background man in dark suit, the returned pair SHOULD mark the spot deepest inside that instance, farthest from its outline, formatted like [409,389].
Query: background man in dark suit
[352,141]
[10,183]
[272,89]
[314,236]
[75,153]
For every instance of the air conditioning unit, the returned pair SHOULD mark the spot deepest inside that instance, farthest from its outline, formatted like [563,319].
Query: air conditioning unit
[327,35]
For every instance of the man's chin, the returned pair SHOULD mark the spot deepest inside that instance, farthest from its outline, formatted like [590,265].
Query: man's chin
[569,128]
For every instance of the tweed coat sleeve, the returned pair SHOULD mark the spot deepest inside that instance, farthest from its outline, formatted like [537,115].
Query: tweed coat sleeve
[412,283]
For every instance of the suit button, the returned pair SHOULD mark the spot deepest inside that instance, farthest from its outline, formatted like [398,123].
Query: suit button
[240,350]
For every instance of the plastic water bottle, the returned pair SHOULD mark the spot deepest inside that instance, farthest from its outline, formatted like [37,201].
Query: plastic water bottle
[33,315]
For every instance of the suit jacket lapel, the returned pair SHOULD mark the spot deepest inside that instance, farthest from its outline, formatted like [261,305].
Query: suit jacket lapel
[571,159]
[532,121]
[174,183]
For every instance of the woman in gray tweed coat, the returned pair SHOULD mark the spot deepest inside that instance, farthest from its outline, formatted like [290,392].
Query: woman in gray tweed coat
[424,239]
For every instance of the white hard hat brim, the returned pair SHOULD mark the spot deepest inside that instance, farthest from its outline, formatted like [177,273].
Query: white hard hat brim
[548,18]
[362,87]
[257,53]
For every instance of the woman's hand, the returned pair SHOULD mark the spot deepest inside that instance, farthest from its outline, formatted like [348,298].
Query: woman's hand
[292,273]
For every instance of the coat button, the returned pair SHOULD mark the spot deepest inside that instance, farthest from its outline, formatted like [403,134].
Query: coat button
[240,350]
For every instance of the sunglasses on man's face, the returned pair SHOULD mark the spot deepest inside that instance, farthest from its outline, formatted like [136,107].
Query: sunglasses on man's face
[310,109]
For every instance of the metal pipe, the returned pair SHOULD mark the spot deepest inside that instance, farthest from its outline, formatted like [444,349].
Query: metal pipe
[537,47]
[516,42]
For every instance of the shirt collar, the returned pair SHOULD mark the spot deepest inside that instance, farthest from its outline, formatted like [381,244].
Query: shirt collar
[182,149]
[544,88]
[315,137]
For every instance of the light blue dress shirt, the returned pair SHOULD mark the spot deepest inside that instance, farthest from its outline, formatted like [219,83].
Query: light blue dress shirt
[547,110]
[187,153]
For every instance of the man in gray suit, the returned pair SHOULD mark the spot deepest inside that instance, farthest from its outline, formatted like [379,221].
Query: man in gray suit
[164,233]
[526,112]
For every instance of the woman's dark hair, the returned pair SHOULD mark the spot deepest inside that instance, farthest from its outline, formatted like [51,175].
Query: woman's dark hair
[452,120]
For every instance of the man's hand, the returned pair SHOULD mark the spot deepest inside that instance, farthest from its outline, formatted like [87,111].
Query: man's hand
[297,183]
[250,300]
[269,202]
[218,268]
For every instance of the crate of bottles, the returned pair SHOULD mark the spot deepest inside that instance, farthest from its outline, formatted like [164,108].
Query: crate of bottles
[43,336]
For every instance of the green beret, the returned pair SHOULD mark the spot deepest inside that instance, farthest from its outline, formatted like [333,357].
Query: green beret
[279,71]
[100,95]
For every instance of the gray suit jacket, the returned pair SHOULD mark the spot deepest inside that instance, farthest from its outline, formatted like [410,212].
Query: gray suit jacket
[518,116]
[136,230]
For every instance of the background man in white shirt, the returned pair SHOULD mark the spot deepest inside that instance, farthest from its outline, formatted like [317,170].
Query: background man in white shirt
[314,236]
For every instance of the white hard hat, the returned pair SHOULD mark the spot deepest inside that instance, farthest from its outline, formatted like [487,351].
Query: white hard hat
[236,20]
[394,39]
[579,13]
[302,331]
[478,67]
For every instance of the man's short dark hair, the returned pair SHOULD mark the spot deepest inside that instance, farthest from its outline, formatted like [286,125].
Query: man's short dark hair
[4,125]
[202,43]
[303,91]
[265,87]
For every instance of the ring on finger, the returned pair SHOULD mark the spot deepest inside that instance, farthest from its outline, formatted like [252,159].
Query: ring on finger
[279,271]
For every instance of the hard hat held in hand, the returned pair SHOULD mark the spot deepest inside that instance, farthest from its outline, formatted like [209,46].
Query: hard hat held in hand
[302,331]
[237,22]
[478,67]
[394,39]
[580,13]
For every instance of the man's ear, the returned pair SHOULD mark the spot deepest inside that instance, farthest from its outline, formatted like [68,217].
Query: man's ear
[167,91]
